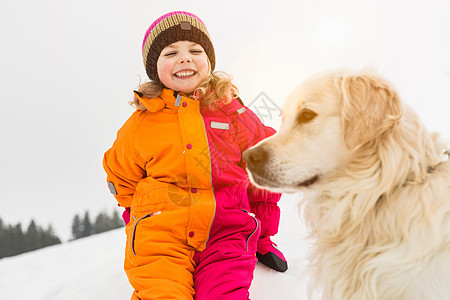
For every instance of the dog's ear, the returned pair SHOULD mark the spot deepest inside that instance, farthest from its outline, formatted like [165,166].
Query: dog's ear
[370,107]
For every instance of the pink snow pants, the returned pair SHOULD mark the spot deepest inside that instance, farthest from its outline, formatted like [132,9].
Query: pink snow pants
[225,268]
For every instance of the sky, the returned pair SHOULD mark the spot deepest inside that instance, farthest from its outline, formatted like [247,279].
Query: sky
[68,69]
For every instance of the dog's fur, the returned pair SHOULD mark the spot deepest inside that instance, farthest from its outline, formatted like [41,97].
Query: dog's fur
[376,188]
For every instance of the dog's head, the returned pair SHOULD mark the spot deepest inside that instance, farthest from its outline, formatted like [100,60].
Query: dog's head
[325,120]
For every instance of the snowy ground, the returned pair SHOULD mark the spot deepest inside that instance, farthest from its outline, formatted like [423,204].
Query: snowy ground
[91,268]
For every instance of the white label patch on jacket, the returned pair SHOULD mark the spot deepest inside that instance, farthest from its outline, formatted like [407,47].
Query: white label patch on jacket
[241,110]
[220,125]
[112,188]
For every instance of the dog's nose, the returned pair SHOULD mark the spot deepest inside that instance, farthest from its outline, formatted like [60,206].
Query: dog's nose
[255,157]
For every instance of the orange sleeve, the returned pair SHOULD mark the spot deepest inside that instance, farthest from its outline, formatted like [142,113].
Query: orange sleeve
[123,164]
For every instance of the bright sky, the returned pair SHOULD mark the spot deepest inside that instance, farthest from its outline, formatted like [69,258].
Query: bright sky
[68,68]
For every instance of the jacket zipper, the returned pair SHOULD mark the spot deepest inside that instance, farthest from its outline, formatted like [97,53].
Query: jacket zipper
[256,227]
[135,225]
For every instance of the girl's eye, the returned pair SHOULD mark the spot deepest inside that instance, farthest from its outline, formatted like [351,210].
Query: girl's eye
[196,51]
[305,116]
[170,53]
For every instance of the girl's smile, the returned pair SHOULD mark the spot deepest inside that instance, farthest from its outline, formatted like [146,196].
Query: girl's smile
[183,66]
[185,73]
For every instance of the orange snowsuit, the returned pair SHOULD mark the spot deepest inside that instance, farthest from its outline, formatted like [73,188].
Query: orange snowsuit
[161,167]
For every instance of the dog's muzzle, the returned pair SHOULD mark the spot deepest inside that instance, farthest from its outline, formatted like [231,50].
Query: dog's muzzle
[256,159]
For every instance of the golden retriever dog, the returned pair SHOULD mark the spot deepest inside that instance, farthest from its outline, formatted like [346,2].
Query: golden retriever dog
[376,188]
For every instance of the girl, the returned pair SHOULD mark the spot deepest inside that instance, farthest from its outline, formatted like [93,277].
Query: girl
[176,167]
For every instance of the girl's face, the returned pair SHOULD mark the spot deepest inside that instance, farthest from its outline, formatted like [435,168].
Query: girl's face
[182,66]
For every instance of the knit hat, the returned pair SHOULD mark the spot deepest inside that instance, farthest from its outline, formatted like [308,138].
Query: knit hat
[170,28]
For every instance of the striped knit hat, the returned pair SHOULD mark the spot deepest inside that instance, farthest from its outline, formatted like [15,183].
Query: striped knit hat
[170,28]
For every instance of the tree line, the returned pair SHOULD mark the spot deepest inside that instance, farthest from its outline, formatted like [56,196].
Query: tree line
[83,226]
[14,240]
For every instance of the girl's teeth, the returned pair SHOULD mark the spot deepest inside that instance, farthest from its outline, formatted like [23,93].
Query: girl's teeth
[184,74]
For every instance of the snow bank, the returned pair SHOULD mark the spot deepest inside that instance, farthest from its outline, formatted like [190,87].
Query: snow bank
[92,268]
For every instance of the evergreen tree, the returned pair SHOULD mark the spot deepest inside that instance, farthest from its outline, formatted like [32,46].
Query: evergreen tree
[8,244]
[102,223]
[32,238]
[3,239]
[87,226]
[49,237]
[77,227]
[117,221]
[17,239]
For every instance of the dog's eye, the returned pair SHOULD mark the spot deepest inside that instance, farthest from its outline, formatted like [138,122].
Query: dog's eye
[305,116]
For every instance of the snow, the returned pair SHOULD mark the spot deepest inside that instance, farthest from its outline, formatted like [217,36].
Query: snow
[92,268]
